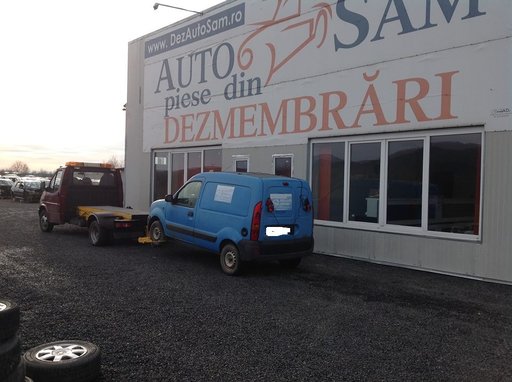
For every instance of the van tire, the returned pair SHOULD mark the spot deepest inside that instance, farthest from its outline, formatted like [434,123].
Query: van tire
[98,235]
[44,224]
[230,260]
[9,319]
[156,233]
[80,362]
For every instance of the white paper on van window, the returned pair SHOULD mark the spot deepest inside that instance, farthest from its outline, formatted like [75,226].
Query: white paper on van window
[224,194]
[282,202]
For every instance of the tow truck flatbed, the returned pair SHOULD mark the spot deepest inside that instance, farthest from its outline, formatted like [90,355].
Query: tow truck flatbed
[122,213]
[90,195]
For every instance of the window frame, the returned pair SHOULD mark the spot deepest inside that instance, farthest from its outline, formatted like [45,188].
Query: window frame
[168,154]
[241,158]
[282,156]
[384,139]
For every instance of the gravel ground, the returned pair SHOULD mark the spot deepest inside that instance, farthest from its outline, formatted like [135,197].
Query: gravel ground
[170,314]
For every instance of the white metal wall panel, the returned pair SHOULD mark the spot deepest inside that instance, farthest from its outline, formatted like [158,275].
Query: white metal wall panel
[137,163]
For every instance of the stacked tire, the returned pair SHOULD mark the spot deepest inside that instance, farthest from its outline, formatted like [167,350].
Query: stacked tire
[63,361]
[12,365]
[60,361]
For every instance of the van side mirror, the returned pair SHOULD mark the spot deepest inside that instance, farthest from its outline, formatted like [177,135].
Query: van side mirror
[170,199]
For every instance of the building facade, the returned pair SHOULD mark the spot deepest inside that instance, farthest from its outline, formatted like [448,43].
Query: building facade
[397,112]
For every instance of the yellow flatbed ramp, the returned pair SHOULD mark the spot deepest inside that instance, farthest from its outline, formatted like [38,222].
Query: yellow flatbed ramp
[120,212]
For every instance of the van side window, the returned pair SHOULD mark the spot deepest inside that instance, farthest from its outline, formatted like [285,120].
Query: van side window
[188,195]
[56,180]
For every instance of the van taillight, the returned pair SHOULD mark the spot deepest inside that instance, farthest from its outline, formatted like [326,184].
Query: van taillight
[270,205]
[306,205]
[256,221]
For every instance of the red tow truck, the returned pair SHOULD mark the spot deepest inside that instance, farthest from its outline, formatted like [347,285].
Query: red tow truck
[90,195]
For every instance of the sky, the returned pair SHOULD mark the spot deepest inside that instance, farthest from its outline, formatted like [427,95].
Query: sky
[63,76]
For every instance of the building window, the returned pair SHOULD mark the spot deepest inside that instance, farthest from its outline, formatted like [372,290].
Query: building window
[193,164]
[415,183]
[454,173]
[181,166]
[364,185]
[405,183]
[212,160]
[160,175]
[178,171]
[283,165]
[241,163]
[329,184]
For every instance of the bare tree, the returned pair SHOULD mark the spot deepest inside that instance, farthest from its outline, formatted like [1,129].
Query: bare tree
[115,161]
[19,167]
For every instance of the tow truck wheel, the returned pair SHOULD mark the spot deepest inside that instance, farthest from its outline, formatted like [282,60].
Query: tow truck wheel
[44,224]
[156,233]
[97,234]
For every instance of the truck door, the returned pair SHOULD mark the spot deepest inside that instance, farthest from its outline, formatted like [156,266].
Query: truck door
[52,198]
[180,214]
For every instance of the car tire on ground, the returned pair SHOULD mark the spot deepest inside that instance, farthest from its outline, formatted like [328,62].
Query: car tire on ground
[156,233]
[98,235]
[290,263]
[9,319]
[44,224]
[19,373]
[10,352]
[230,260]
[63,361]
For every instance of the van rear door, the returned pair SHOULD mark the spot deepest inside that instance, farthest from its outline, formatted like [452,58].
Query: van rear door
[285,212]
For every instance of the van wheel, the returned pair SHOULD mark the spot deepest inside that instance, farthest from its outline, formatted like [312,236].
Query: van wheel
[230,261]
[98,235]
[290,263]
[156,233]
[44,224]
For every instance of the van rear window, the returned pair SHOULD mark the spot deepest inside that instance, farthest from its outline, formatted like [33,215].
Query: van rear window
[282,202]
[93,178]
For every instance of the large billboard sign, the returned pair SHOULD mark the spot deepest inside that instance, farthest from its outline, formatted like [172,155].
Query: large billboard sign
[274,72]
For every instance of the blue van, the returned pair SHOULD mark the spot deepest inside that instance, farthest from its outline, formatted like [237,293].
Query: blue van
[242,216]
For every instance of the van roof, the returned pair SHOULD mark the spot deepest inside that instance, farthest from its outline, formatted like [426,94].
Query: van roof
[226,176]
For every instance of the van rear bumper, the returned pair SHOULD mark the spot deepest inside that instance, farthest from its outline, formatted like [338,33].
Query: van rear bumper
[275,249]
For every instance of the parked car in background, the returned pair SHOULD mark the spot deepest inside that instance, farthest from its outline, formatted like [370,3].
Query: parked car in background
[5,188]
[13,177]
[28,190]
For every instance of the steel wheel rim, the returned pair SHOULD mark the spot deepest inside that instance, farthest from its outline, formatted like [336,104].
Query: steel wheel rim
[94,233]
[156,233]
[44,220]
[230,259]
[63,352]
